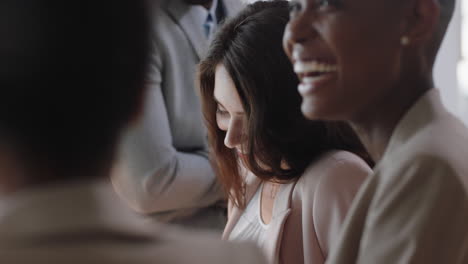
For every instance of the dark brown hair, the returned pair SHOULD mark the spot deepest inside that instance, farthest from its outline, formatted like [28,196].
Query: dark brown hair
[249,47]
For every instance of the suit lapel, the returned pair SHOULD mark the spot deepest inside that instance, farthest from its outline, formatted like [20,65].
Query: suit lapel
[186,18]
[220,12]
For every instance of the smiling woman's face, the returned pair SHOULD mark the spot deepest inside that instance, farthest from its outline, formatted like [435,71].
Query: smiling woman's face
[346,54]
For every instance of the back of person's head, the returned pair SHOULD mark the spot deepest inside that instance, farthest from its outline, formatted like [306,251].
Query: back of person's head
[71,77]
[249,46]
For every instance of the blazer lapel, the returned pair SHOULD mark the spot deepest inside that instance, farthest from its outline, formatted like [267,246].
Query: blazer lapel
[281,211]
[184,16]
[252,183]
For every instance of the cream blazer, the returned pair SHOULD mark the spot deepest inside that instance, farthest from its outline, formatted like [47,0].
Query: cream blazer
[414,208]
[307,214]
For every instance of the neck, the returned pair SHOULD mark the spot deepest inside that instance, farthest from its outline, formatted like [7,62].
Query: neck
[208,5]
[376,126]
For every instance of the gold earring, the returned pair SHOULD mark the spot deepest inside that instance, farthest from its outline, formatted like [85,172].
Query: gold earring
[404,41]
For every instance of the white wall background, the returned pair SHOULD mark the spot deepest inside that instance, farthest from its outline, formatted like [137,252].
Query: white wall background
[445,71]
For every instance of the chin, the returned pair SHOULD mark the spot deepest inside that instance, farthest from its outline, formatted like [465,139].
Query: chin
[312,112]
[309,111]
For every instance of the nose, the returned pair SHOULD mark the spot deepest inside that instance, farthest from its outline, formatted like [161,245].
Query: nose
[234,133]
[297,32]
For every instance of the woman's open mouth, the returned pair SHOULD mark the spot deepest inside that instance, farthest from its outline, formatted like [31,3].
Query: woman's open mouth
[313,74]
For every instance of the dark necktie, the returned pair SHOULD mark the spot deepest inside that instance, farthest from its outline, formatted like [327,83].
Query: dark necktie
[208,25]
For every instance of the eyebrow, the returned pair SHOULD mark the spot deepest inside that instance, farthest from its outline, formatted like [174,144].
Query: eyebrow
[219,103]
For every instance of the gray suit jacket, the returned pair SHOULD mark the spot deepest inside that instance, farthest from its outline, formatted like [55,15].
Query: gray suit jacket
[168,171]
[85,223]
[414,209]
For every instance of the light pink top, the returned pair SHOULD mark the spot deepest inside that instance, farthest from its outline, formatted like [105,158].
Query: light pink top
[307,214]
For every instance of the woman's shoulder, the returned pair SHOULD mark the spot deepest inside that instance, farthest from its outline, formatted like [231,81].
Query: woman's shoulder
[335,158]
[334,170]
[325,192]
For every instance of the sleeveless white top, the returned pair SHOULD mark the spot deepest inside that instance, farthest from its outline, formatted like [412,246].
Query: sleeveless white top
[250,226]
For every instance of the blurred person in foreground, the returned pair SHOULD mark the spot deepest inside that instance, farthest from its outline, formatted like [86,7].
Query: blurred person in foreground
[71,79]
[370,62]
[165,169]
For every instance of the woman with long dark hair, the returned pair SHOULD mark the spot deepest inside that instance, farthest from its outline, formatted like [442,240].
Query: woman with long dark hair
[289,180]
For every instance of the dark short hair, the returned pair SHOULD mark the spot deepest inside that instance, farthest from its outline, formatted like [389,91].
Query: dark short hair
[249,46]
[71,78]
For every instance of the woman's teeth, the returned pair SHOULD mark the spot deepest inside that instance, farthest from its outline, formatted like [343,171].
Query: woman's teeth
[314,67]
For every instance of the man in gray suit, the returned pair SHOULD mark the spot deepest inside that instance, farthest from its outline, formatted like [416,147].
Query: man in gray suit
[165,171]
[72,78]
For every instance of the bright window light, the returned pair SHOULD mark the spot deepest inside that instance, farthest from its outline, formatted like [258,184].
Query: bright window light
[462,71]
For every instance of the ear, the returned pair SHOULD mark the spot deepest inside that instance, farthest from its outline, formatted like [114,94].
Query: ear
[422,21]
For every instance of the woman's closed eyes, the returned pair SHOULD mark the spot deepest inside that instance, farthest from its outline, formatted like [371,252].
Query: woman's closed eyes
[221,111]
